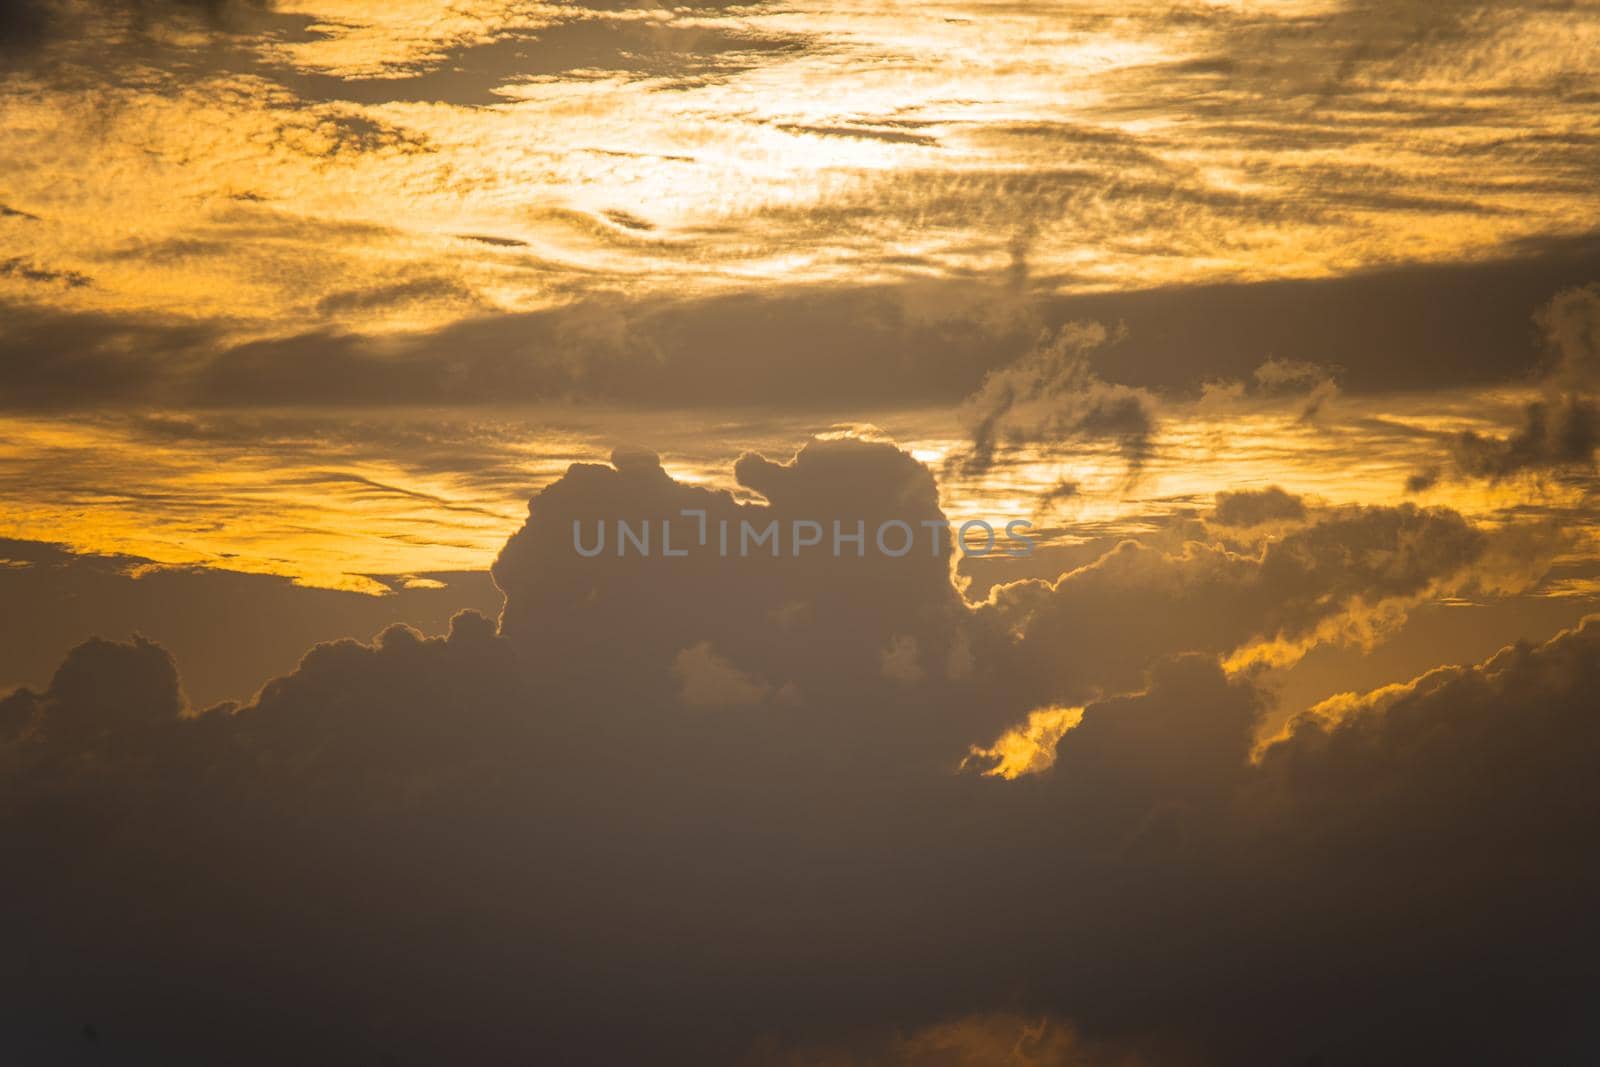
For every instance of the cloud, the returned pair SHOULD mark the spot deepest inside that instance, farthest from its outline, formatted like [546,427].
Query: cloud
[414,290]
[518,840]
[26,25]
[1344,576]
[709,681]
[1276,375]
[102,691]
[1257,507]
[901,661]
[28,271]
[1183,150]
[230,630]
[1560,431]
[1052,395]
[874,344]
[1551,437]
[927,342]
[1029,748]
[1314,385]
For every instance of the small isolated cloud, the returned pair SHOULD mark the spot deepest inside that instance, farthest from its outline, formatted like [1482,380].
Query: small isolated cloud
[1311,385]
[1052,395]
[1257,507]
[1423,480]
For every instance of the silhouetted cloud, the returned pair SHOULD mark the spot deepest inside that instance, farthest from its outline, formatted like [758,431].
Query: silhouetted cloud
[678,809]
[1052,395]
[230,630]
[1255,507]
[1560,431]
[302,290]
[821,346]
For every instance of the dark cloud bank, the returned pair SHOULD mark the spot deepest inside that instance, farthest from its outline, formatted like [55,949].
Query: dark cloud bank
[707,811]
[1407,328]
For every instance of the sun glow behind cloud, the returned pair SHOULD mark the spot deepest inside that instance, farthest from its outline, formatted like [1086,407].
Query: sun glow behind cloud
[328,498]
[320,163]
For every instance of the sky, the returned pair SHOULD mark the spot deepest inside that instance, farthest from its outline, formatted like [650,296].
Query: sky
[324,323]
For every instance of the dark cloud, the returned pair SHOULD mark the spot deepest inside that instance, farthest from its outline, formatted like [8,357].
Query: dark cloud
[1551,437]
[1278,375]
[1399,328]
[1051,396]
[680,53]
[1059,493]
[1560,431]
[230,630]
[814,345]
[1343,579]
[1256,507]
[51,360]
[1423,480]
[629,221]
[679,810]
[896,345]
[331,134]
[814,625]
[490,239]
[29,271]
[29,24]
[864,133]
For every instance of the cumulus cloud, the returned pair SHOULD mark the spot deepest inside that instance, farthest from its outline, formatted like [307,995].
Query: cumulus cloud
[515,842]
[231,631]
[1348,576]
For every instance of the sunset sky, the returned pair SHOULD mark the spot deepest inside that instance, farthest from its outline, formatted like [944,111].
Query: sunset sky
[1279,321]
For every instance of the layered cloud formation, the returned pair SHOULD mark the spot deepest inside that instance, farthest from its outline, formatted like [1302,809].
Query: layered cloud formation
[336,164]
[695,810]
[302,301]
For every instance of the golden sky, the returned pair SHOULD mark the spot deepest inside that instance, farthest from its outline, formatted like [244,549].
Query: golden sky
[527,183]
[328,290]
[336,166]
[326,319]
